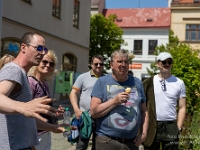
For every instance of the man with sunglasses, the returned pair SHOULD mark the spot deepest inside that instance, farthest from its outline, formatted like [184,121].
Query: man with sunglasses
[82,88]
[164,93]
[17,131]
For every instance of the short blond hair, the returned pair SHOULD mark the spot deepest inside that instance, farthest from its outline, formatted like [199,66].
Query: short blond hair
[51,54]
[6,59]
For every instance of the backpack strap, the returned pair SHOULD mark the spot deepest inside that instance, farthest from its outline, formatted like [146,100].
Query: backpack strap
[39,85]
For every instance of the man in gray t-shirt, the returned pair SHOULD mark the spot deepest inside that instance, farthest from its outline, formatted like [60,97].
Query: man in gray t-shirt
[16,130]
[82,90]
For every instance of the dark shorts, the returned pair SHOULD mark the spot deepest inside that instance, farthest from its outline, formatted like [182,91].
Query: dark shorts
[166,136]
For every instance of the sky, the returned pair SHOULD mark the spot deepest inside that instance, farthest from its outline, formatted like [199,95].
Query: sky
[136,3]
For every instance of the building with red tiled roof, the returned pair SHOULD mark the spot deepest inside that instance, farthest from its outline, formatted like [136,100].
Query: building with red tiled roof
[141,17]
[144,29]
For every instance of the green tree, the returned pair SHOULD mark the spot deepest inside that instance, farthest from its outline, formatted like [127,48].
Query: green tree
[186,66]
[105,36]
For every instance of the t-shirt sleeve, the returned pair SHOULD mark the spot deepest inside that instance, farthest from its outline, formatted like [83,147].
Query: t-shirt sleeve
[141,89]
[78,83]
[97,90]
[12,73]
[183,90]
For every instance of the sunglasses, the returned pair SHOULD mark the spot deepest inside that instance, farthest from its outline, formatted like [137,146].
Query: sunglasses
[167,62]
[163,85]
[45,62]
[39,48]
[96,64]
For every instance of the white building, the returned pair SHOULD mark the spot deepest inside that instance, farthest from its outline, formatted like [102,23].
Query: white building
[144,29]
[65,24]
[97,6]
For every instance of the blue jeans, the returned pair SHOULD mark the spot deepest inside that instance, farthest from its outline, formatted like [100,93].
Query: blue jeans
[106,143]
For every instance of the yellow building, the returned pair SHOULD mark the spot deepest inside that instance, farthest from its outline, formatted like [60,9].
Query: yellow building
[185,21]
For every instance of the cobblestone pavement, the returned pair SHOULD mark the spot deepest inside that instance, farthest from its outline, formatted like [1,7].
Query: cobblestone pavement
[60,143]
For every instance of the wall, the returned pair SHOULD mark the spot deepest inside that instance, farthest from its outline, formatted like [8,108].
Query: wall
[60,35]
[178,25]
[144,34]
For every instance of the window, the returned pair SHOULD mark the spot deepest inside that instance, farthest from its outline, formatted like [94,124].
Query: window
[137,47]
[193,32]
[196,1]
[10,46]
[69,62]
[152,46]
[56,8]
[76,13]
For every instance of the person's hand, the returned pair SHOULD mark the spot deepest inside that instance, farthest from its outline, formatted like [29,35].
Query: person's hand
[60,128]
[33,148]
[139,139]
[36,106]
[78,114]
[122,97]
[60,111]
[73,127]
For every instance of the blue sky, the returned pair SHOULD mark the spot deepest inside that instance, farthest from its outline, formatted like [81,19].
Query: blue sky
[135,3]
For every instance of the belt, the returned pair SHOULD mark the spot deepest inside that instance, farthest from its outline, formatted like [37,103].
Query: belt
[121,139]
[173,121]
[27,148]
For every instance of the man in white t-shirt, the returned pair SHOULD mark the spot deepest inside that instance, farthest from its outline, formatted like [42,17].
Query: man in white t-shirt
[164,92]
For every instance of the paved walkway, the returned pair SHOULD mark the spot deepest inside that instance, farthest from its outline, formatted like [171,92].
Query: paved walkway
[58,141]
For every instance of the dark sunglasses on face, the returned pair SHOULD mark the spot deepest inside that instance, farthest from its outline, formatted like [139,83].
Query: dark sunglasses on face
[45,62]
[96,64]
[167,62]
[39,48]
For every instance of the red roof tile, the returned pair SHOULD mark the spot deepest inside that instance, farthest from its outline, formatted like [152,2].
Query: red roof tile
[141,17]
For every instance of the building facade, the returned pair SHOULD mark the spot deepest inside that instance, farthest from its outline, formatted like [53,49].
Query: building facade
[97,6]
[185,21]
[144,29]
[65,24]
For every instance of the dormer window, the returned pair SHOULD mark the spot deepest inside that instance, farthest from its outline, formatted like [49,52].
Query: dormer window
[149,19]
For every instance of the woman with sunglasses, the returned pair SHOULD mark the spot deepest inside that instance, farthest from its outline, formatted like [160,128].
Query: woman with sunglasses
[38,77]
